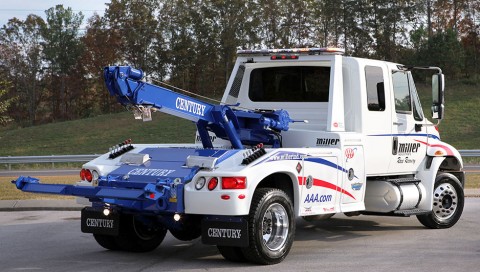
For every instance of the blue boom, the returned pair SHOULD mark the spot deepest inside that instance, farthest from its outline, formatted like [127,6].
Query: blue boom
[240,127]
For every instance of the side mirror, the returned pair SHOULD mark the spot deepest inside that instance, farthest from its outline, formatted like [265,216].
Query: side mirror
[438,83]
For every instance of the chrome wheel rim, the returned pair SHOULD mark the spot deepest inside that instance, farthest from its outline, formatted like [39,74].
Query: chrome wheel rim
[275,227]
[445,201]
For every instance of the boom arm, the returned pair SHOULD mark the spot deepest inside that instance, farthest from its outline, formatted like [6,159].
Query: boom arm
[240,127]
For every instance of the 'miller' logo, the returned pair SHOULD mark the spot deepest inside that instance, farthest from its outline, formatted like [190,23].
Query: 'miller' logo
[327,141]
[190,106]
[408,148]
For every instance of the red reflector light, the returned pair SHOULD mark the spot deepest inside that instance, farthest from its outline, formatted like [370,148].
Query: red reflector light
[234,182]
[242,196]
[436,128]
[212,183]
[85,174]
[225,197]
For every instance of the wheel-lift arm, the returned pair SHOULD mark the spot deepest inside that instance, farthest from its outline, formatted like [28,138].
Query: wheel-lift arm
[240,127]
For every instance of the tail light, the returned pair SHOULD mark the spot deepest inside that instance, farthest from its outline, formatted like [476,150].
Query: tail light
[212,183]
[234,182]
[85,174]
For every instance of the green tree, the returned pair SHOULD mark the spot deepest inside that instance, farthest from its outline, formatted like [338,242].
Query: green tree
[62,49]
[22,65]
[134,23]
[444,50]
[5,103]
[102,48]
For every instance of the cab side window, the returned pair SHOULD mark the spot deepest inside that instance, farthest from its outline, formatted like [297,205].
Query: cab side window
[375,88]
[401,91]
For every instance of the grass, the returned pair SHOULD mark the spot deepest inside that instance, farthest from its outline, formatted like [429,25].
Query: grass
[460,126]
[8,191]
[93,135]
[472,181]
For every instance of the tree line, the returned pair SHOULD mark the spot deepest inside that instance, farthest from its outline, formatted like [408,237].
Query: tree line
[52,69]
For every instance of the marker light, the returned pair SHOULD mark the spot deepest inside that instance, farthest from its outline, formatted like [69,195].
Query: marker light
[176,217]
[225,197]
[283,57]
[106,212]
[310,51]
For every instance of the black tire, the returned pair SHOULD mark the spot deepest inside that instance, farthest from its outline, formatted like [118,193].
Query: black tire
[448,202]
[107,241]
[186,234]
[271,227]
[233,254]
[188,228]
[135,236]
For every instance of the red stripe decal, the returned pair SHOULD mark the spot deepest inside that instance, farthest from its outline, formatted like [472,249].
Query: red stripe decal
[446,148]
[325,184]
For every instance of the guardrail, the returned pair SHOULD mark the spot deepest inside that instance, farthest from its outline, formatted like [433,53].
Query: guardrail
[470,153]
[85,158]
[45,159]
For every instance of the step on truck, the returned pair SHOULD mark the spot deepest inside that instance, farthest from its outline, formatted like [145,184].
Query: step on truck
[299,133]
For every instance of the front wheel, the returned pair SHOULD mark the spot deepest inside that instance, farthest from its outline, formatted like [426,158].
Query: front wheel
[448,202]
[271,227]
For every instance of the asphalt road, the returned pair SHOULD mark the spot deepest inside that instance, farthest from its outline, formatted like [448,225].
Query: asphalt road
[52,241]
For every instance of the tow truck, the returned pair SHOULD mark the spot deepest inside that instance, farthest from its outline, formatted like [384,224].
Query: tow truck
[302,132]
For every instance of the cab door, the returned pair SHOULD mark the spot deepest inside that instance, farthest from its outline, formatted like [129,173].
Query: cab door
[377,121]
[409,131]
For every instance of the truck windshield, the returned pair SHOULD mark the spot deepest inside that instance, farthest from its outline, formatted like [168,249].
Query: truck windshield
[290,84]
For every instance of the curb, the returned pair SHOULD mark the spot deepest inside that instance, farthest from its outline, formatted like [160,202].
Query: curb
[39,205]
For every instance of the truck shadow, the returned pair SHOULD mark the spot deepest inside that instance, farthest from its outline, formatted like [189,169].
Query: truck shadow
[345,228]
[194,255]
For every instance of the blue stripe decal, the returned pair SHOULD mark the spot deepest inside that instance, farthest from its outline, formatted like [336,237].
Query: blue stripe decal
[226,155]
[408,135]
[295,156]
[327,163]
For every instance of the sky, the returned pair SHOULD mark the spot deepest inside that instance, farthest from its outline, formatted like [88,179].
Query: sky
[22,8]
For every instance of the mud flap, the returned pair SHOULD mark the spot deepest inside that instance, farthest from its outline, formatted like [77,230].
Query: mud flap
[225,231]
[94,221]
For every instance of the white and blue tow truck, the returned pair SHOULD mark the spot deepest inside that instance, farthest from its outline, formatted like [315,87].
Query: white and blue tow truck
[303,132]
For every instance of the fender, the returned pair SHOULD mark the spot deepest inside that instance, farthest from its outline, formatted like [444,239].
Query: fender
[428,180]
[442,149]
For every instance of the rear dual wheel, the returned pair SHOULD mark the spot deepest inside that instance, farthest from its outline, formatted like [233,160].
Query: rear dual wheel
[271,227]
